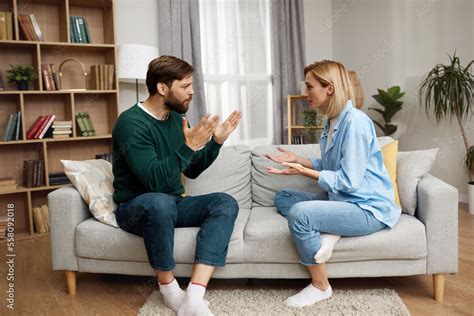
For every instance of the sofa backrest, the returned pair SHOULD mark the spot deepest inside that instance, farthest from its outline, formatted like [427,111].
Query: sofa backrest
[265,185]
[229,173]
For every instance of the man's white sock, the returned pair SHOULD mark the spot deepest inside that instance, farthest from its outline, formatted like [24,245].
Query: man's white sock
[308,296]
[194,304]
[172,294]
[328,241]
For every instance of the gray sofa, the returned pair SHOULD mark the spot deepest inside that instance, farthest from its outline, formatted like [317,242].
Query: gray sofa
[261,245]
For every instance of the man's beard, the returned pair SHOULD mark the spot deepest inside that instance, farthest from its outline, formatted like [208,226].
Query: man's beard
[174,105]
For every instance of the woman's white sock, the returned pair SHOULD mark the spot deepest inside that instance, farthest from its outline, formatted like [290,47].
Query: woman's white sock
[328,241]
[308,296]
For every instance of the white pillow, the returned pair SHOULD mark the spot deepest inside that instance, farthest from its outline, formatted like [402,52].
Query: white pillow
[411,167]
[94,181]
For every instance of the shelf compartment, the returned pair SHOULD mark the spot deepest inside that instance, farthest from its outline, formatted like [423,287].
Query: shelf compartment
[50,15]
[20,202]
[70,151]
[73,75]
[12,53]
[37,105]
[9,6]
[99,16]
[102,109]
[15,155]
[9,104]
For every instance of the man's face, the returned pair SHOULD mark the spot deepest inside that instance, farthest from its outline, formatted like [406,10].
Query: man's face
[180,95]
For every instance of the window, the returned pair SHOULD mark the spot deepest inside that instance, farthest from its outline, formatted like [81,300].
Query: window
[236,62]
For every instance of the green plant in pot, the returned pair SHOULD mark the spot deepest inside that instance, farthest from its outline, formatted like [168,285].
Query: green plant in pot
[21,75]
[312,119]
[389,100]
[447,91]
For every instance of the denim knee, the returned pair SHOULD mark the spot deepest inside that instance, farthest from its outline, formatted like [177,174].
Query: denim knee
[297,219]
[282,202]
[227,205]
[161,209]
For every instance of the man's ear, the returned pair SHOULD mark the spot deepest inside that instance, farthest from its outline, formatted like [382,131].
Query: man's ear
[162,88]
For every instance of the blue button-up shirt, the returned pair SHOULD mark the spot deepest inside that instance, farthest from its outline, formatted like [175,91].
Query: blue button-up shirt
[352,169]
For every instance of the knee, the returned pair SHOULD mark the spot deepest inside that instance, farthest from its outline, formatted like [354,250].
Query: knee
[161,208]
[297,217]
[281,200]
[226,205]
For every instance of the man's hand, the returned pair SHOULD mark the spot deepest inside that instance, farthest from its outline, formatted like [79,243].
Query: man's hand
[200,134]
[224,129]
[294,169]
[286,156]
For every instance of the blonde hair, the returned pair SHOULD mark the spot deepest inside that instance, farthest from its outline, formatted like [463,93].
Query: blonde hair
[328,72]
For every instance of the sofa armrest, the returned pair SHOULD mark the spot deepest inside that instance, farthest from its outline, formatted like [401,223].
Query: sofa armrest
[66,211]
[438,210]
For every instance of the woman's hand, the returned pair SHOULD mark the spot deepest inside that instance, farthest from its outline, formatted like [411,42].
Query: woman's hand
[294,169]
[286,156]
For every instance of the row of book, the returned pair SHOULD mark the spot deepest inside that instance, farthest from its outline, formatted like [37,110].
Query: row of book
[106,156]
[85,127]
[62,129]
[297,139]
[33,173]
[50,77]
[7,184]
[3,226]
[58,178]
[12,130]
[40,127]
[79,30]
[30,27]
[41,219]
[102,77]
[6,26]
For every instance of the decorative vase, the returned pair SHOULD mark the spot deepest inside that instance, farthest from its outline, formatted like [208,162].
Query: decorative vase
[22,85]
[470,196]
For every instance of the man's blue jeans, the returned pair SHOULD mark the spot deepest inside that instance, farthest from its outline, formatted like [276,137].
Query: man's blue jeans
[310,214]
[155,216]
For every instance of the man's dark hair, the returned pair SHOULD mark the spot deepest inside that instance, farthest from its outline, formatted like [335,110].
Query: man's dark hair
[166,69]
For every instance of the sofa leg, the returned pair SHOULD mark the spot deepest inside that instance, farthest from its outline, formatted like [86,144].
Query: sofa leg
[71,282]
[438,287]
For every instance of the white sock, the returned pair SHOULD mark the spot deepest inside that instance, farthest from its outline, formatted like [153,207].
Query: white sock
[328,241]
[308,296]
[172,294]
[194,303]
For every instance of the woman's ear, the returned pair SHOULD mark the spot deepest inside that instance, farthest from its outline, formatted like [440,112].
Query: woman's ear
[330,90]
[162,88]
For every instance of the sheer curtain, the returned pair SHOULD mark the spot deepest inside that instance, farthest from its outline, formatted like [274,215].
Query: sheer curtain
[237,65]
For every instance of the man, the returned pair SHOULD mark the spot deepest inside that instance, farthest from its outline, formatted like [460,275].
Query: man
[152,145]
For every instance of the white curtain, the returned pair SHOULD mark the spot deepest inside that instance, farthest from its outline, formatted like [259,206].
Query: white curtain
[236,64]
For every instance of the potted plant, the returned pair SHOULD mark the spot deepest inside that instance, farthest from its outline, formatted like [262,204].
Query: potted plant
[312,120]
[447,89]
[389,100]
[470,169]
[21,75]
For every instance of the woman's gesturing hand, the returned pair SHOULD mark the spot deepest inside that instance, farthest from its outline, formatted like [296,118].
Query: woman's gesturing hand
[286,156]
[294,169]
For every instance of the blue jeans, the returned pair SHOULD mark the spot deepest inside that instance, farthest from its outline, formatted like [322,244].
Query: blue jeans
[155,216]
[310,214]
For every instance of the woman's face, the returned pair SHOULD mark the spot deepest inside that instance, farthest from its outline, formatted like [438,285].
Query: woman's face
[317,95]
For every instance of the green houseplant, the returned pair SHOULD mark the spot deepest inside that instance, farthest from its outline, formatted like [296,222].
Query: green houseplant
[389,100]
[312,119]
[447,91]
[21,75]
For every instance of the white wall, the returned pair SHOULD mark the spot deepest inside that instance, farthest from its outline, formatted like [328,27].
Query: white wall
[397,42]
[136,22]
[389,42]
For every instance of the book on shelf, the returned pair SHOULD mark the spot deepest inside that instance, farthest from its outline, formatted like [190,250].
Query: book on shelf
[85,126]
[30,27]
[61,129]
[58,178]
[3,226]
[2,84]
[6,26]
[7,184]
[102,77]
[41,128]
[297,140]
[50,77]
[33,172]
[79,30]
[12,130]
[105,156]
[41,219]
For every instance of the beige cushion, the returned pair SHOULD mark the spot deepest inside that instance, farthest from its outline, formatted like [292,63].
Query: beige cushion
[94,181]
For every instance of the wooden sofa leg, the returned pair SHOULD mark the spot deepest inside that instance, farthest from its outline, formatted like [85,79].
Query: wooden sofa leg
[438,287]
[71,282]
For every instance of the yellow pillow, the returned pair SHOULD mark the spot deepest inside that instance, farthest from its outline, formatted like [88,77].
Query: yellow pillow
[389,153]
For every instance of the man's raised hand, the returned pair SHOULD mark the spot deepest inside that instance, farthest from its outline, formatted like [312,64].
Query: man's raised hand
[200,134]
[224,129]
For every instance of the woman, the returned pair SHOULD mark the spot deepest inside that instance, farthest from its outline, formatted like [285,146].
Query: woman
[359,199]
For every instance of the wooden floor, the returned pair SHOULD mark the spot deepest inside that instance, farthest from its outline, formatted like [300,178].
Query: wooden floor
[41,291]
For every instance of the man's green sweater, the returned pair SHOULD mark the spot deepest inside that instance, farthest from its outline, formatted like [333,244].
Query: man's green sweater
[150,154]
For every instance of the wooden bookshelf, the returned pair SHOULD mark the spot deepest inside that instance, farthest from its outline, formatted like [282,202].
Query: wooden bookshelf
[294,110]
[102,105]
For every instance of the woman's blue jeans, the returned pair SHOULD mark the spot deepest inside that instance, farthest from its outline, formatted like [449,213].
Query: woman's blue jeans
[156,215]
[310,214]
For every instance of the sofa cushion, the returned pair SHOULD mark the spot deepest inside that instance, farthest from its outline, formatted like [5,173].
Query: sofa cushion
[389,153]
[93,180]
[95,240]
[229,173]
[265,185]
[267,239]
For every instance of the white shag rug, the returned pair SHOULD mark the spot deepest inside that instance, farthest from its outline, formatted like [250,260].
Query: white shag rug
[247,302]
